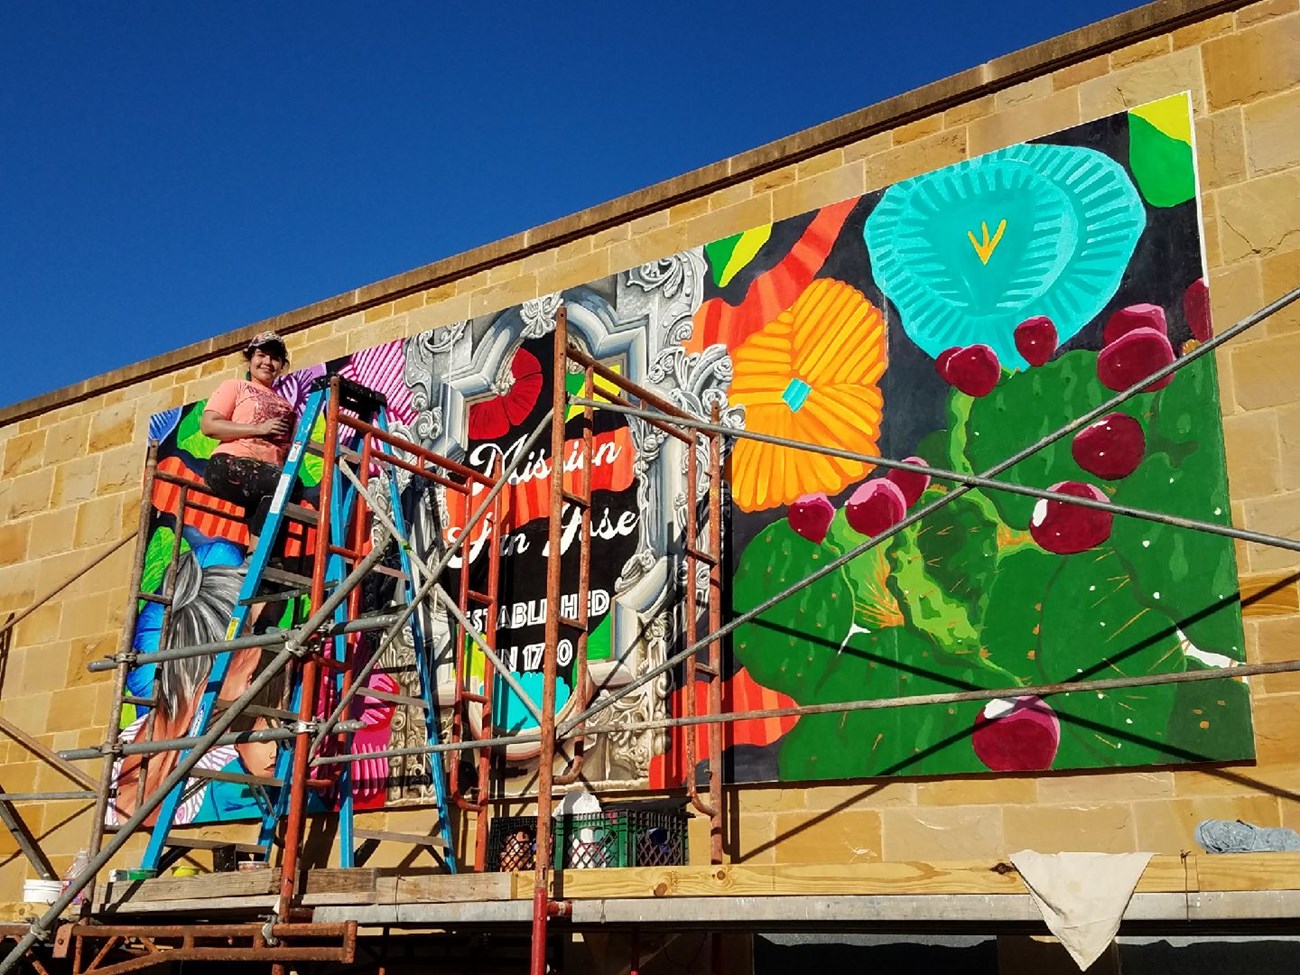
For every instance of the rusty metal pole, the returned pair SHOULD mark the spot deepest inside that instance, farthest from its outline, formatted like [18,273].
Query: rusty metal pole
[715,646]
[554,581]
[310,673]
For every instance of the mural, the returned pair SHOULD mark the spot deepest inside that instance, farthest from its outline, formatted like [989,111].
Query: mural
[953,319]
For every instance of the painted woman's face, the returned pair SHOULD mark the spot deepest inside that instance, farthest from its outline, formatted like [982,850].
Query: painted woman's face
[258,757]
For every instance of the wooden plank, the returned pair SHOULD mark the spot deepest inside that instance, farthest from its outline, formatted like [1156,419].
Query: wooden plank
[1168,874]
[1248,871]
[239,883]
[451,888]
[207,843]
[340,880]
[410,839]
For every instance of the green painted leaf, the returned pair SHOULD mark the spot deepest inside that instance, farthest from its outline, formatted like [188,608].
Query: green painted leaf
[1162,167]
[190,438]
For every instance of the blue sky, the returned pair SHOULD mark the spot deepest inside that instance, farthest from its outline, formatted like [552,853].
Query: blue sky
[172,171]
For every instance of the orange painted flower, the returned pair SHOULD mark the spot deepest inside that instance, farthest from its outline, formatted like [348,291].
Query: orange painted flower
[810,375]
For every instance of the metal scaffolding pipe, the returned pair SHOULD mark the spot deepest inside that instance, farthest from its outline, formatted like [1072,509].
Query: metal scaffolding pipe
[426,587]
[969,480]
[39,929]
[263,641]
[154,747]
[1250,321]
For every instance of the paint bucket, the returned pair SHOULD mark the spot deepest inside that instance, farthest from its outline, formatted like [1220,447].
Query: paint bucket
[41,891]
[186,872]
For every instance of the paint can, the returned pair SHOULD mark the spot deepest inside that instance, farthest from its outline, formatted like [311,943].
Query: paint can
[41,891]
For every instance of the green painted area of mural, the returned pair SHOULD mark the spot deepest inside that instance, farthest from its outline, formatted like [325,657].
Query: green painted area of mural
[190,438]
[600,640]
[1024,408]
[1189,575]
[1162,166]
[157,556]
[729,255]
[313,465]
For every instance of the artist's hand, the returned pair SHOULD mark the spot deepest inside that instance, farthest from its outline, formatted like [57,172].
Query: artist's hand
[278,427]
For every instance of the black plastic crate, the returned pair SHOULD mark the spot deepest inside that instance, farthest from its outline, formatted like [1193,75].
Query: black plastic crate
[626,835]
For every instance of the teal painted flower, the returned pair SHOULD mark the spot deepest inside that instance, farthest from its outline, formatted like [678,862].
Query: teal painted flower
[968,252]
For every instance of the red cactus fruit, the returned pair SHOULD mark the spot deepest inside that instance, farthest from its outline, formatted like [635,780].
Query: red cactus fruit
[1196,309]
[911,483]
[875,506]
[1110,448]
[974,370]
[1133,317]
[810,516]
[1064,528]
[1017,735]
[1036,339]
[1133,356]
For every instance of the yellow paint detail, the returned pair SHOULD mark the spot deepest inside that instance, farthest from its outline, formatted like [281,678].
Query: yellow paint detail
[1169,115]
[985,248]
[751,241]
[602,385]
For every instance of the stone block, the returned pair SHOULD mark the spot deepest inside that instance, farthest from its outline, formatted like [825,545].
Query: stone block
[648,246]
[44,669]
[29,712]
[876,794]
[39,628]
[23,453]
[1077,74]
[82,651]
[918,129]
[1255,13]
[408,303]
[734,219]
[1028,120]
[75,480]
[1239,780]
[752,840]
[27,494]
[819,191]
[121,469]
[1251,64]
[610,235]
[1169,825]
[739,192]
[1101,827]
[1278,515]
[977,790]
[651,221]
[768,799]
[111,426]
[1271,127]
[873,144]
[850,836]
[1144,82]
[504,295]
[1254,449]
[1277,640]
[504,272]
[1220,149]
[1141,51]
[1277,729]
[14,539]
[98,520]
[1103,786]
[1288,421]
[1236,291]
[1280,273]
[903,162]
[766,182]
[1264,372]
[1026,91]
[942,833]
[378,312]
[578,270]
[1194,34]
[51,533]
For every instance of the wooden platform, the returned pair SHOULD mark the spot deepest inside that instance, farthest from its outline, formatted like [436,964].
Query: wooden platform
[1195,889]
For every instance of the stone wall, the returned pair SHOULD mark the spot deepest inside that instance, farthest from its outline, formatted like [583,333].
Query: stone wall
[71,460]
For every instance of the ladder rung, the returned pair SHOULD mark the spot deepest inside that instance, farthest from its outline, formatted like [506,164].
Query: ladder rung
[217,775]
[204,843]
[411,839]
[378,695]
[258,711]
[705,669]
[706,557]
[343,453]
[299,513]
[481,597]
[332,664]
[286,578]
[140,702]
[153,597]
[474,697]
[576,624]
[578,499]
[387,570]
[320,783]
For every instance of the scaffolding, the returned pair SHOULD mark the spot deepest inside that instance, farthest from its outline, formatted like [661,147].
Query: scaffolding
[290,932]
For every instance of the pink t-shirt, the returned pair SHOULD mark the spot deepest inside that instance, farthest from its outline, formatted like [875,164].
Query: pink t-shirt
[240,401]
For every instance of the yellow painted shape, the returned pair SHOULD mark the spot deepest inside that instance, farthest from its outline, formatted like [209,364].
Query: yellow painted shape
[1170,115]
[986,247]
[751,241]
[602,385]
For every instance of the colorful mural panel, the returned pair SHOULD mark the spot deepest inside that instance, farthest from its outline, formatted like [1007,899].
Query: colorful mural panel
[953,319]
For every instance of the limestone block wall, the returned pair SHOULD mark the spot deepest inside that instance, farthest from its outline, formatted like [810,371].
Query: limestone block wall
[70,461]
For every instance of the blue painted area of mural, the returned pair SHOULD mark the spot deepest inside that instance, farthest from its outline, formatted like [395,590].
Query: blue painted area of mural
[968,252]
[509,714]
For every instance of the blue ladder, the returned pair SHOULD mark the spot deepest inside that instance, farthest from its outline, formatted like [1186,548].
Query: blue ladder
[370,406]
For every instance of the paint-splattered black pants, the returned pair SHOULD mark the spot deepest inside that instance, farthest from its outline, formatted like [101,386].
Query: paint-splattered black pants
[246,482]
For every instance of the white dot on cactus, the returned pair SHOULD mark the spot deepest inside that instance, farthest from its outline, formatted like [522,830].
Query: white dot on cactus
[1101,696]
[1092,589]
[1128,720]
[1146,543]
[1218,511]
[1103,624]
[1155,595]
